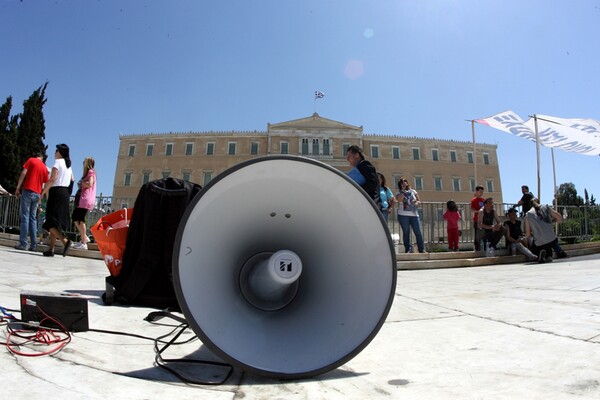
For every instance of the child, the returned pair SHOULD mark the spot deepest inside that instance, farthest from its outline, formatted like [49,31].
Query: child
[452,216]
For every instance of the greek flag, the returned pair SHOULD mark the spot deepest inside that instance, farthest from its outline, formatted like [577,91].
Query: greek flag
[319,95]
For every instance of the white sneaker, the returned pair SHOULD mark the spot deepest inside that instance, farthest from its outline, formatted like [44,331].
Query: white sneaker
[79,246]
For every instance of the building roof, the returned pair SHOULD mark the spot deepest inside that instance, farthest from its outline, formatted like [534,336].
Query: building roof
[315,121]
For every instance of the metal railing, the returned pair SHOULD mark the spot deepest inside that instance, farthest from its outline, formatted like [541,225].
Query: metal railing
[579,224]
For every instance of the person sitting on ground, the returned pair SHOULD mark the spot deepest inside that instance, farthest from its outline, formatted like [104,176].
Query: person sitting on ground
[490,228]
[514,234]
[540,232]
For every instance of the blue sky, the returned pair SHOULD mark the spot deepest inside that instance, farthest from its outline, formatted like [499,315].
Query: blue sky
[409,68]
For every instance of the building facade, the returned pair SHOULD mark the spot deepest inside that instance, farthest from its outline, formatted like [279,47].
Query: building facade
[439,170]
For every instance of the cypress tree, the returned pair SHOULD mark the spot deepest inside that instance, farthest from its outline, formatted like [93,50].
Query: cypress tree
[10,164]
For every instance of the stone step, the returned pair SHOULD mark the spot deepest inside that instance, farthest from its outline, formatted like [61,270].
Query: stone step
[410,261]
[11,240]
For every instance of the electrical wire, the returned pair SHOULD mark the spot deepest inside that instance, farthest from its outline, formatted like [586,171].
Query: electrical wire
[51,340]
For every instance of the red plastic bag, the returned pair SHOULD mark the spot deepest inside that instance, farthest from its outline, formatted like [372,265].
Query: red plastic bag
[110,233]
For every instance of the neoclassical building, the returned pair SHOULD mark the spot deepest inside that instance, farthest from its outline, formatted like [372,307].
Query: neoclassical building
[438,169]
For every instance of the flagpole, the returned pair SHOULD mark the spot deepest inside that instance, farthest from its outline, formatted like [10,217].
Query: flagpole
[537,147]
[554,174]
[474,153]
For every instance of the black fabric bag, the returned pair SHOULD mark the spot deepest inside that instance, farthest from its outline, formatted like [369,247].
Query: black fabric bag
[146,273]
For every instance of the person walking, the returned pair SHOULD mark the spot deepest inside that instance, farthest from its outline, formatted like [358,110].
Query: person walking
[408,215]
[58,193]
[84,201]
[32,178]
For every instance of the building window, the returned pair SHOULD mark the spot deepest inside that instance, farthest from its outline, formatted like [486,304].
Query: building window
[438,183]
[315,147]
[127,179]
[326,148]
[396,152]
[207,177]
[254,148]
[418,183]
[131,150]
[166,174]
[374,151]
[304,147]
[486,158]
[210,149]
[453,155]
[472,183]
[470,159]
[169,149]
[149,149]
[435,155]
[345,148]
[145,177]
[489,185]
[456,184]
[185,175]
[416,153]
[189,149]
[232,146]
[285,148]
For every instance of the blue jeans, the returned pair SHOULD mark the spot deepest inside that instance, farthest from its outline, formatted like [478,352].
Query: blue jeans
[28,214]
[407,223]
[385,214]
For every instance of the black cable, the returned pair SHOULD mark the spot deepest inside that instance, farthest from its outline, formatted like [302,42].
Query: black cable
[162,362]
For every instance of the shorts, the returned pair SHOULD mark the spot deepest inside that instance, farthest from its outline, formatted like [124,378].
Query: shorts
[79,214]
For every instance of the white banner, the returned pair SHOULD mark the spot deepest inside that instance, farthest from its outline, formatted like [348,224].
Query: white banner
[580,136]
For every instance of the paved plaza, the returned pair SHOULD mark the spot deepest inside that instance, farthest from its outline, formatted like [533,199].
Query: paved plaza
[510,331]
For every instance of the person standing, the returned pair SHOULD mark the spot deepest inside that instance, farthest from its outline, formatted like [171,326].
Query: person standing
[408,215]
[452,216]
[84,201]
[58,193]
[386,196]
[526,200]
[476,205]
[363,172]
[33,177]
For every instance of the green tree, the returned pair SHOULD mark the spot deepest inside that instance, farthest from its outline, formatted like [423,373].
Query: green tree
[32,125]
[10,165]
[21,136]
[567,195]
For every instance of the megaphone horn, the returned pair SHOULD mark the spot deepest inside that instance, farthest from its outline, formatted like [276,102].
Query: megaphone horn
[284,267]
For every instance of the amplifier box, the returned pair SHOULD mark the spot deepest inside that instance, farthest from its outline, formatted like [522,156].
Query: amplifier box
[70,309]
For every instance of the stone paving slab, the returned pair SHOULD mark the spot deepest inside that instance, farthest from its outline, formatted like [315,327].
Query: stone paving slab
[512,331]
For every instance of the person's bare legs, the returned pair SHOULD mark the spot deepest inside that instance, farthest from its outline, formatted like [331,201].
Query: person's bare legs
[56,234]
[82,231]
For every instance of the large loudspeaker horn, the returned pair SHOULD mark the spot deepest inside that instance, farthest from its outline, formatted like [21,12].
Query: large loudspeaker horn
[283,267]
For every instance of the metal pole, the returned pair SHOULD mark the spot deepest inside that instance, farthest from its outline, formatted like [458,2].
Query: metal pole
[537,147]
[474,153]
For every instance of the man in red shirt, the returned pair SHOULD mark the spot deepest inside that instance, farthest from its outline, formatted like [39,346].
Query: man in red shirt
[476,204]
[33,177]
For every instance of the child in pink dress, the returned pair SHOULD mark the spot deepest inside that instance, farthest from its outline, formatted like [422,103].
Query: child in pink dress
[452,216]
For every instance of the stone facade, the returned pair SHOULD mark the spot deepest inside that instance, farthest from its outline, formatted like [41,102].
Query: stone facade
[438,169]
